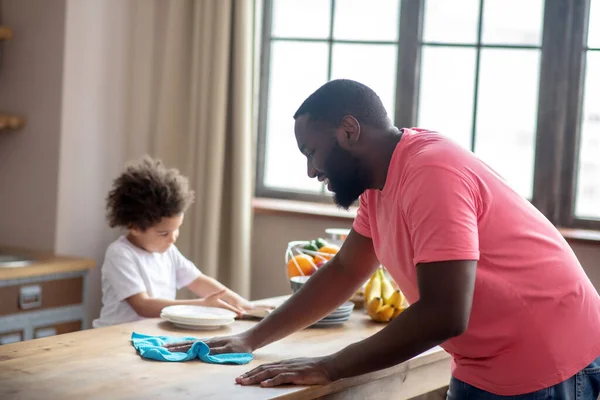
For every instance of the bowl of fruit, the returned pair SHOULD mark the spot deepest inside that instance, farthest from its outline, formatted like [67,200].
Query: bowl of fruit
[305,257]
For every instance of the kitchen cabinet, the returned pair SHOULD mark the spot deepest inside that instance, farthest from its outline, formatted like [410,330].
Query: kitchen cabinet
[45,297]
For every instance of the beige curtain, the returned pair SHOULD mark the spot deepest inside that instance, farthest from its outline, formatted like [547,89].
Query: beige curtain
[191,105]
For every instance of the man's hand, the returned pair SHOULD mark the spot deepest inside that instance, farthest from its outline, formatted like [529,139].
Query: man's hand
[225,344]
[297,371]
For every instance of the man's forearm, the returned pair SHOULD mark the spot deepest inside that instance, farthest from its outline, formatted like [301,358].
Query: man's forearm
[416,330]
[321,294]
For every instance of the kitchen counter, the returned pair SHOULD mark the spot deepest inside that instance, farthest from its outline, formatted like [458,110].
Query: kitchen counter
[45,263]
[102,363]
[44,298]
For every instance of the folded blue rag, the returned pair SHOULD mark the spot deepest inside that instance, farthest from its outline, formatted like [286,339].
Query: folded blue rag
[150,347]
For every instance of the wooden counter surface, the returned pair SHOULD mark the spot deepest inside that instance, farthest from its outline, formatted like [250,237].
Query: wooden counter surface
[102,364]
[45,263]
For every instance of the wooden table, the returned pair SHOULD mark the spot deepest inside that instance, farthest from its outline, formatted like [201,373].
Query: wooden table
[102,364]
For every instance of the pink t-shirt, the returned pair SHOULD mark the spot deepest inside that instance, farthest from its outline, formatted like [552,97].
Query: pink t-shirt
[535,320]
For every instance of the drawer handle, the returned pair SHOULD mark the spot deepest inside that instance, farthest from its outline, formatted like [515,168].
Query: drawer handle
[30,297]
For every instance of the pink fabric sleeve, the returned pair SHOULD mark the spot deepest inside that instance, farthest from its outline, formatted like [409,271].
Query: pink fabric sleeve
[440,206]
[361,222]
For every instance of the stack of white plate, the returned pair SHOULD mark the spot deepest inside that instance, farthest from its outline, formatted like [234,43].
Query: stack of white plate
[197,317]
[339,316]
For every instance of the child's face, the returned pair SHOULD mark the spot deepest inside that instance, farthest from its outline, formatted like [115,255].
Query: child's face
[158,238]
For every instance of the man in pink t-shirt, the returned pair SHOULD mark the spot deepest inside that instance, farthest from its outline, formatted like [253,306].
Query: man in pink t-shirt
[489,278]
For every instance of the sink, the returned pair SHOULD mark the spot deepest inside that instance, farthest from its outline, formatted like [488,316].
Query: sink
[14,261]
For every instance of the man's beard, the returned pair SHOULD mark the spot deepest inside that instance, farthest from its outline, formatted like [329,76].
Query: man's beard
[345,175]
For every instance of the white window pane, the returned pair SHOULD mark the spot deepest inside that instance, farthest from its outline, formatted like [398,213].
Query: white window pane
[594,25]
[366,20]
[297,69]
[301,18]
[451,21]
[507,114]
[516,22]
[587,201]
[370,64]
[446,92]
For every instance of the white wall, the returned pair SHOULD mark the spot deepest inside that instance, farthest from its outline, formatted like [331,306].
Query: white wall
[31,85]
[92,140]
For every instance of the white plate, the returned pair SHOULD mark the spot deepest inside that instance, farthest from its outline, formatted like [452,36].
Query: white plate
[199,327]
[198,315]
[327,323]
[184,321]
[331,319]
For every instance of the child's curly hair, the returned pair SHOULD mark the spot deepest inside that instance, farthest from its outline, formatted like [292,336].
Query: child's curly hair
[146,192]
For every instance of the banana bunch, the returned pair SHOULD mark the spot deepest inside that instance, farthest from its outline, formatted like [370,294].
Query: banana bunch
[382,301]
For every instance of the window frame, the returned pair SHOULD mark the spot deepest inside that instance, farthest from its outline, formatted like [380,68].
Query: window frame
[560,100]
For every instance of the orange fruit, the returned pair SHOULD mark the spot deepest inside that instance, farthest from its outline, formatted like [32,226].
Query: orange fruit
[305,262]
[329,250]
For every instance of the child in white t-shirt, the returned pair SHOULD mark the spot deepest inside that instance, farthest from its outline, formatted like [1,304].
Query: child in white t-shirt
[143,269]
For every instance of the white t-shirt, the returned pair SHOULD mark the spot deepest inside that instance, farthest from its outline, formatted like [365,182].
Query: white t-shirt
[128,270]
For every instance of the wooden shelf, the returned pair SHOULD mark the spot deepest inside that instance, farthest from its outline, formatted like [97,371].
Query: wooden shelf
[11,122]
[5,33]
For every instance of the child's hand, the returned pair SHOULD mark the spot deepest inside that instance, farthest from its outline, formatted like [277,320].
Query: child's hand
[241,303]
[214,300]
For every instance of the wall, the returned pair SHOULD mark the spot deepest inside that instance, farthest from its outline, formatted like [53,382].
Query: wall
[272,233]
[92,141]
[31,85]
[589,257]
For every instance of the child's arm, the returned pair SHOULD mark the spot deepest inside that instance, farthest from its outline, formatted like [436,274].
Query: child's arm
[149,307]
[201,285]
[204,284]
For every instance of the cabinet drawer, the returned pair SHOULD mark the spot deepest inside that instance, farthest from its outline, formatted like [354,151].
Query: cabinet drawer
[41,295]
[56,329]
[11,337]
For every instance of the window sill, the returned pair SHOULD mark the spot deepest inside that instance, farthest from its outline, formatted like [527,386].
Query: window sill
[262,205]
[266,206]
[580,235]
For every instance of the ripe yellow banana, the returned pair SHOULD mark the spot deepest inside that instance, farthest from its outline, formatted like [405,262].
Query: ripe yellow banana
[373,306]
[384,314]
[397,311]
[394,300]
[373,288]
[367,287]
[387,290]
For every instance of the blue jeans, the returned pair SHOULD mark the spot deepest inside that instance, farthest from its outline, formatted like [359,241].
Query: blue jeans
[583,386]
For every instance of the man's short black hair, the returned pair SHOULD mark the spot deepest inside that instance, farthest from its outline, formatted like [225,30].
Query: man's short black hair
[334,100]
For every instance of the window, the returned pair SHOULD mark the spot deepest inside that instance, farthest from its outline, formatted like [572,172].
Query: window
[486,73]
[471,70]
[306,44]
[587,203]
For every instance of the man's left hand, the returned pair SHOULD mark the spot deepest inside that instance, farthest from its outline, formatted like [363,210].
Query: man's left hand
[297,371]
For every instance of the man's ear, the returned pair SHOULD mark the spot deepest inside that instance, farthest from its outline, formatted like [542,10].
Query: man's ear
[348,132]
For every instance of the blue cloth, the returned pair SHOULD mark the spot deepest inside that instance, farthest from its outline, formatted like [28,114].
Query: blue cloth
[150,347]
[585,385]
